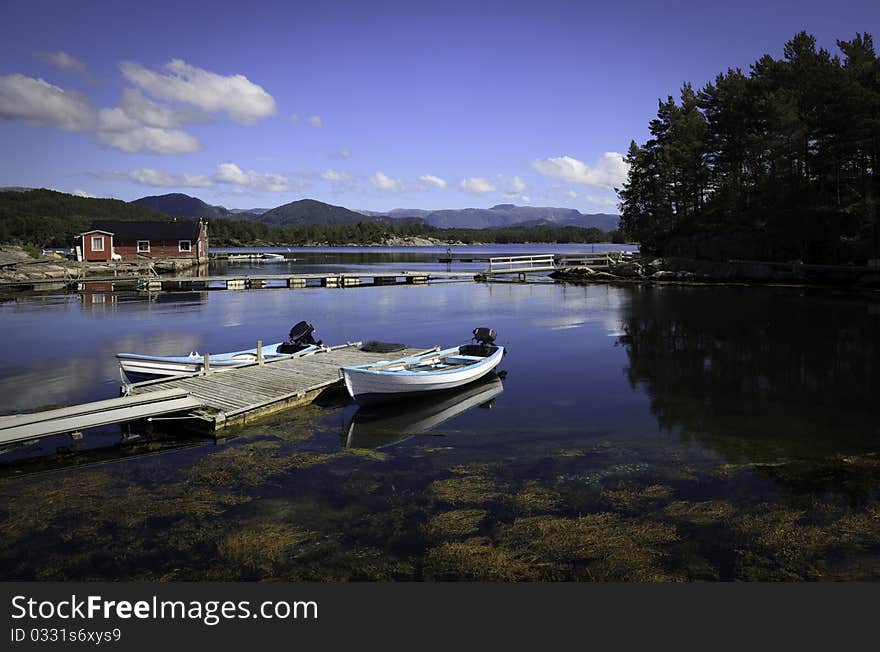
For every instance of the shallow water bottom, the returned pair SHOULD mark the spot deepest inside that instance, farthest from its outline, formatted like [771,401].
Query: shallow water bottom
[287,501]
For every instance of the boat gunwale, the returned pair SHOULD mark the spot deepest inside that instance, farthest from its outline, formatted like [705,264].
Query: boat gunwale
[269,350]
[365,369]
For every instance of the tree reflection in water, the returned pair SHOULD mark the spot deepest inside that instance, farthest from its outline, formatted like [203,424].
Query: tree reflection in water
[758,373]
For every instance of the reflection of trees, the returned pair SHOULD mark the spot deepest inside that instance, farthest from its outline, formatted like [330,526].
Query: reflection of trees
[757,372]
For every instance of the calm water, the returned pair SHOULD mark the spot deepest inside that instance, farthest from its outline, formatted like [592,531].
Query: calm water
[638,433]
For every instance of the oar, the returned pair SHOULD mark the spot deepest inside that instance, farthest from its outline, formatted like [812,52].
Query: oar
[407,360]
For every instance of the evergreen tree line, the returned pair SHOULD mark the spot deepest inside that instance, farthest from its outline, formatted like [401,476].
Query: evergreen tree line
[45,218]
[780,163]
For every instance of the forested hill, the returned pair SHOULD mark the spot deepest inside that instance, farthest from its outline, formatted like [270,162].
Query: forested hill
[49,218]
[310,211]
[182,205]
[779,163]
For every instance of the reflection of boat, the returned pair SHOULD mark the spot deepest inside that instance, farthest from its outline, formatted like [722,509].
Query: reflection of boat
[137,367]
[428,372]
[261,257]
[371,427]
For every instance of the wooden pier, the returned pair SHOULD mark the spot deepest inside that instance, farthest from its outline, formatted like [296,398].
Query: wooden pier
[498,266]
[235,395]
[294,281]
[244,281]
[15,429]
[209,400]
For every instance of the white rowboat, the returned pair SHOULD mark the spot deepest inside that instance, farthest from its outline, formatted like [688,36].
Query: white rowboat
[137,367]
[428,372]
[147,367]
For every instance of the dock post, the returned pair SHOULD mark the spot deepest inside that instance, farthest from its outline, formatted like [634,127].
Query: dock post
[207,364]
[260,352]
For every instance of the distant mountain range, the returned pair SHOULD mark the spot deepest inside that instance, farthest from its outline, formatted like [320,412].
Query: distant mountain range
[506,215]
[310,211]
[180,205]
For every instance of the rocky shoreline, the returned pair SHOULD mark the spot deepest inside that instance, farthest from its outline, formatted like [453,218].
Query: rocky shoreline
[688,271]
[17,266]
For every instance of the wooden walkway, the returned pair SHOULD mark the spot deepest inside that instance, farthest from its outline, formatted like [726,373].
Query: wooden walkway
[22,427]
[258,280]
[499,266]
[237,394]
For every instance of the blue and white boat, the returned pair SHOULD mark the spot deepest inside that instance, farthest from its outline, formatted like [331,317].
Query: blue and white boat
[428,372]
[137,367]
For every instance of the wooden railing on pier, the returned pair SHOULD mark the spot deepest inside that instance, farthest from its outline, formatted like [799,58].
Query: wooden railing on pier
[520,264]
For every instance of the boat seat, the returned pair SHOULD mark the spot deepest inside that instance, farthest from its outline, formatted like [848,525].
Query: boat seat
[462,359]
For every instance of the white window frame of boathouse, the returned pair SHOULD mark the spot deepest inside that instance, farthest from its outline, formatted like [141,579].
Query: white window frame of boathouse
[143,251]
[97,240]
[181,243]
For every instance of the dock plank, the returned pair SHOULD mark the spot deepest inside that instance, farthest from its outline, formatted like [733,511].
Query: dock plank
[72,423]
[238,392]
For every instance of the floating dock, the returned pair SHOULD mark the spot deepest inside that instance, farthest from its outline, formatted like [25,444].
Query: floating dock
[498,266]
[210,401]
[242,281]
[19,428]
[235,395]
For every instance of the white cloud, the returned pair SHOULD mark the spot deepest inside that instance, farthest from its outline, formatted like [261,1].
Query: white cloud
[39,103]
[241,99]
[262,181]
[477,185]
[344,153]
[600,201]
[316,121]
[335,175]
[158,178]
[431,180]
[154,114]
[512,187]
[65,61]
[609,171]
[525,199]
[139,123]
[82,193]
[134,138]
[294,118]
[382,182]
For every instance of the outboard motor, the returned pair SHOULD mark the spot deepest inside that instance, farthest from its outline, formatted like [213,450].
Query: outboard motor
[299,338]
[485,336]
[485,343]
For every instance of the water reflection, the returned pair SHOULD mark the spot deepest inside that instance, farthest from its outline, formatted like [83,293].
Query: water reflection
[382,425]
[764,465]
[757,374]
[95,447]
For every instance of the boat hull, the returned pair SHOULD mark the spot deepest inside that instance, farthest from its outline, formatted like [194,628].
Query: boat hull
[137,367]
[367,385]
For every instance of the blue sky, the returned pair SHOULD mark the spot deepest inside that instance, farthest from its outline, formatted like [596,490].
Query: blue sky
[371,105]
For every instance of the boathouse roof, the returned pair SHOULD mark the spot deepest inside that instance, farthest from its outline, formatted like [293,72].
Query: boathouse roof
[179,230]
